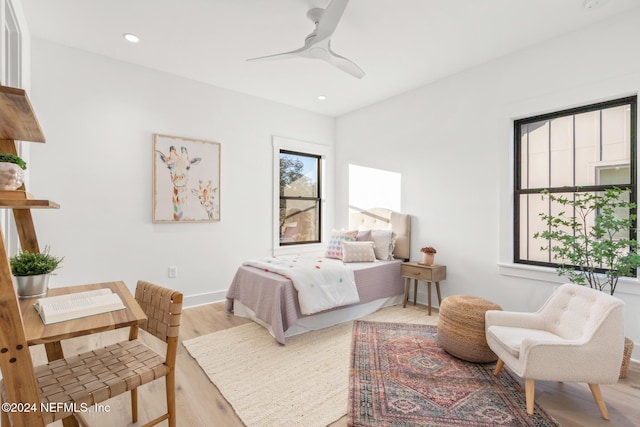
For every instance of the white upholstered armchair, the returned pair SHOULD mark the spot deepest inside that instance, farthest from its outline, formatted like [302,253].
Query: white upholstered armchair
[576,336]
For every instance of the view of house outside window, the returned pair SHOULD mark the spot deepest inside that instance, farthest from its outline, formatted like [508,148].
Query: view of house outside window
[583,150]
[300,210]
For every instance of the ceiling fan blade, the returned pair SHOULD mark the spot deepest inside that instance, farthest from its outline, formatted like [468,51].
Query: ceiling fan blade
[346,65]
[330,19]
[285,55]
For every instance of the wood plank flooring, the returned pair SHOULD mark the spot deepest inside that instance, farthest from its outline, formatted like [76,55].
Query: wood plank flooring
[199,403]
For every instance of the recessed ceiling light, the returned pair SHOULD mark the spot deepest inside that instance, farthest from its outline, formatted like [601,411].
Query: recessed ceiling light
[131,37]
[322,97]
[593,4]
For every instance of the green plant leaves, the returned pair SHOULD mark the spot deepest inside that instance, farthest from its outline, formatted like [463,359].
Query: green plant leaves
[11,158]
[591,242]
[31,264]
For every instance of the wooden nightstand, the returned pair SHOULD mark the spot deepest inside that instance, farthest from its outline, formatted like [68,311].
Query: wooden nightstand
[426,273]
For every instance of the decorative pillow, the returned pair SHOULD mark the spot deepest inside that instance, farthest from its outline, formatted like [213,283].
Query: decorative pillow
[334,246]
[385,243]
[364,236]
[358,252]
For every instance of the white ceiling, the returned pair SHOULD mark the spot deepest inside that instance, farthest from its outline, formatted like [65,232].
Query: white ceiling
[400,44]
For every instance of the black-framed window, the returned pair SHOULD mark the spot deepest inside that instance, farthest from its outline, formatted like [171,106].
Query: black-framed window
[300,202]
[585,149]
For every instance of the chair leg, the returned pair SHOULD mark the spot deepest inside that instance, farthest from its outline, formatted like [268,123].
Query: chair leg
[170,382]
[597,395]
[499,366]
[134,405]
[529,392]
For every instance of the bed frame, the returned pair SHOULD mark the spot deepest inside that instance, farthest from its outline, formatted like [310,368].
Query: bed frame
[271,300]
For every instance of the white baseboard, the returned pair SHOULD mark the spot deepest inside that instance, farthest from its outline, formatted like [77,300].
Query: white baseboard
[201,299]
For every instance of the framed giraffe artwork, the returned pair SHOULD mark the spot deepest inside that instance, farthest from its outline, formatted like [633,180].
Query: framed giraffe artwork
[186,180]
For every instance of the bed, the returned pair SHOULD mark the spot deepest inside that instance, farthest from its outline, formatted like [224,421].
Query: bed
[271,299]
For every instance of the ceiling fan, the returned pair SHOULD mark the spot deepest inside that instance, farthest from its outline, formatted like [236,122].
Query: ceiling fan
[317,45]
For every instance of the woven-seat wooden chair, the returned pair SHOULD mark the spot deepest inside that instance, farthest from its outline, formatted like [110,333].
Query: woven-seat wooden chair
[95,376]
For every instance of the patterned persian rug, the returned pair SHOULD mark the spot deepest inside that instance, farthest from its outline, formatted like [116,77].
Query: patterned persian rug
[400,377]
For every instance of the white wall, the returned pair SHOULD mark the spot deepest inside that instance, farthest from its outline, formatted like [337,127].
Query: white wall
[98,116]
[452,143]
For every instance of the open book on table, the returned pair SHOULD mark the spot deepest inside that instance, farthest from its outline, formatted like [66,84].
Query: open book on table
[81,304]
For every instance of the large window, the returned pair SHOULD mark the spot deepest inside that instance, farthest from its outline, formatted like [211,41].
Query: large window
[300,203]
[582,150]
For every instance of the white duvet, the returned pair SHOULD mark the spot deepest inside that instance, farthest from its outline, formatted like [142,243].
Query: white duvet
[322,283]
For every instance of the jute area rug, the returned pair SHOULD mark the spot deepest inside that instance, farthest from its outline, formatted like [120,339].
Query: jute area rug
[304,383]
[400,377]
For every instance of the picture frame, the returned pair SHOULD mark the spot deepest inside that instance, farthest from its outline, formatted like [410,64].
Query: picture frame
[186,180]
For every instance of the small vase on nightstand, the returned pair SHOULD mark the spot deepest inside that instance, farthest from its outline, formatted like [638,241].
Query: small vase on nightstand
[428,253]
[427,259]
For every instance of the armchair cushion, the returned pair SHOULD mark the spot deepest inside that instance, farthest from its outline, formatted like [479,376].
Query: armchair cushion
[510,339]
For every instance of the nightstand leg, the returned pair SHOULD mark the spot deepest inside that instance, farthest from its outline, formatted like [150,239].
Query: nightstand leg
[415,290]
[438,290]
[407,283]
[429,296]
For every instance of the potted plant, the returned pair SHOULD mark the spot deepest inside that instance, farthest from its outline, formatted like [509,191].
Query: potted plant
[592,243]
[32,270]
[428,253]
[11,171]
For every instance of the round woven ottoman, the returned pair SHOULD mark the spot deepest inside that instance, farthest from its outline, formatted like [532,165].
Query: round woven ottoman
[461,328]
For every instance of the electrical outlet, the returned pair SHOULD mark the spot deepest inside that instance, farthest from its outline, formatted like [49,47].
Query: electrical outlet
[173,272]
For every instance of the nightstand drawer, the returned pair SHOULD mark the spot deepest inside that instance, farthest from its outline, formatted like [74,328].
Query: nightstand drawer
[415,272]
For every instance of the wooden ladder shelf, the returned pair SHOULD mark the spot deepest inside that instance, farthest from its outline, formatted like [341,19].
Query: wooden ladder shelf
[18,123]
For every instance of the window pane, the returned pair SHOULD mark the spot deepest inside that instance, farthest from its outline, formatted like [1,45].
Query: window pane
[298,175]
[535,206]
[556,209]
[587,146]
[524,157]
[538,155]
[615,134]
[299,221]
[562,151]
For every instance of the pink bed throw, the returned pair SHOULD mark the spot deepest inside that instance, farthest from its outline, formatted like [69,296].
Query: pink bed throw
[322,283]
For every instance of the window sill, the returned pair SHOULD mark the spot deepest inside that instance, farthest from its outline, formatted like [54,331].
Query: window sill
[626,285]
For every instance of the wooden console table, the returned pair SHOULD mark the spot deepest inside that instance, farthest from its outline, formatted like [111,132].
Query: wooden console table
[426,273]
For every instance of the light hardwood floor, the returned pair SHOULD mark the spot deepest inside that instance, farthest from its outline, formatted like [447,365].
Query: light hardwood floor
[199,403]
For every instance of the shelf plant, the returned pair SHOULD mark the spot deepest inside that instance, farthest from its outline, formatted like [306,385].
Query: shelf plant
[31,264]
[12,158]
[11,171]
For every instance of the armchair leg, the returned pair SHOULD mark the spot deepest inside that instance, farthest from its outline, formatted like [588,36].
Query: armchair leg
[499,366]
[529,392]
[597,395]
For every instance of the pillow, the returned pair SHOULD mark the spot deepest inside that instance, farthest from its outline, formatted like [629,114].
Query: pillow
[358,252]
[364,236]
[385,243]
[334,246]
